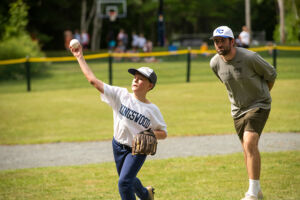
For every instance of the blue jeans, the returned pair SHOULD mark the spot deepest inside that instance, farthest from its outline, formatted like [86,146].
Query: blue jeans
[128,166]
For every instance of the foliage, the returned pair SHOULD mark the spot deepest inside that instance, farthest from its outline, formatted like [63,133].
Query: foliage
[52,17]
[292,25]
[16,42]
[20,46]
[18,20]
[292,29]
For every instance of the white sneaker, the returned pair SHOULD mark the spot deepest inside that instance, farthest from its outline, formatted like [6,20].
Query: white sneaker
[251,197]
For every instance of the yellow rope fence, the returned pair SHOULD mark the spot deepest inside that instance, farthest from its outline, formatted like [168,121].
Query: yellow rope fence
[162,53]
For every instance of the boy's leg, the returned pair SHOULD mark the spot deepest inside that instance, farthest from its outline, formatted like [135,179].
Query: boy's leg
[140,190]
[128,183]
[119,155]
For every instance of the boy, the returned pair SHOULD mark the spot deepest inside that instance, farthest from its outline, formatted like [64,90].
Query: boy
[133,113]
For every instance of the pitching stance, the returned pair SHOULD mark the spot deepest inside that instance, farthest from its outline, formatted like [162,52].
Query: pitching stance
[248,79]
[137,125]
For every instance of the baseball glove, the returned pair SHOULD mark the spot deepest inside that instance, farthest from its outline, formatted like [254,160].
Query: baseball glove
[145,143]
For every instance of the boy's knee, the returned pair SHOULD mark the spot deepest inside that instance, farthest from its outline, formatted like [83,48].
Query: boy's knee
[124,184]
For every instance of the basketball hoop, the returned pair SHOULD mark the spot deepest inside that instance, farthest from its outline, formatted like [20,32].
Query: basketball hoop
[112,15]
[111,9]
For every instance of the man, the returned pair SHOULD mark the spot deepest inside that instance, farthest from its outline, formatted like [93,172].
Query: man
[248,79]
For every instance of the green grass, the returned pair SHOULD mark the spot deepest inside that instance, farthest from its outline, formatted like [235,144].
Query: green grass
[63,107]
[192,178]
[79,114]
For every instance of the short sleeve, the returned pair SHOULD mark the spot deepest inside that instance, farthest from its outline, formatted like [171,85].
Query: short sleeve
[263,68]
[112,94]
[214,66]
[158,121]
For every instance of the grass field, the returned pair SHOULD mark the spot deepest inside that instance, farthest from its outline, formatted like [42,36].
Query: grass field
[193,178]
[64,107]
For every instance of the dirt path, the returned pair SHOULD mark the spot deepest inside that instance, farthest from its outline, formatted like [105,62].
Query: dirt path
[65,154]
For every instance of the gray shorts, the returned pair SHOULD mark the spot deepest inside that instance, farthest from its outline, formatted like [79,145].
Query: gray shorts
[253,121]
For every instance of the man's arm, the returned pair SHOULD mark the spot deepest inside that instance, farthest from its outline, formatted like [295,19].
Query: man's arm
[88,73]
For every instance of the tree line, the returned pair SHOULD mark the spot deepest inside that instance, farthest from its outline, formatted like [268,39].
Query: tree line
[48,19]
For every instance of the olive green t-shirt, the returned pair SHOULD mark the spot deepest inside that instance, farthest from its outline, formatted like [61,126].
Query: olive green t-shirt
[245,78]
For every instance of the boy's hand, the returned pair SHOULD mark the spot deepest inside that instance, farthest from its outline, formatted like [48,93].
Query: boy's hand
[77,52]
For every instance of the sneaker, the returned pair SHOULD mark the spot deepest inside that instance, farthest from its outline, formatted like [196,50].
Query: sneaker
[260,195]
[150,192]
[250,197]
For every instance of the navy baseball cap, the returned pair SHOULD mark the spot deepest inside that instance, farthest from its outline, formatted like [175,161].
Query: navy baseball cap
[147,72]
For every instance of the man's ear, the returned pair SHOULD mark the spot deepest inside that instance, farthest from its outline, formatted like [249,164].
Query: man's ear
[233,42]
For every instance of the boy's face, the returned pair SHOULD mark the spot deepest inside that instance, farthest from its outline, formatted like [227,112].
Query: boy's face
[141,83]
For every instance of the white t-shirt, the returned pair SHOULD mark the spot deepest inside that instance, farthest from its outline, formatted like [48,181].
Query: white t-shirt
[141,42]
[131,116]
[245,37]
[135,40]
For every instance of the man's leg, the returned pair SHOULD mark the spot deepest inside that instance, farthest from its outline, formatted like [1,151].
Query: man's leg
[252,155]
[249,127]
[252,161]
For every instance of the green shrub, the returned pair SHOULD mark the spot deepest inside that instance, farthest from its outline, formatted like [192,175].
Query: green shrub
[21,46]
[16,43]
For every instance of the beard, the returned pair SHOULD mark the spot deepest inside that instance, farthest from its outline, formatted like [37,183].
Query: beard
[225,51]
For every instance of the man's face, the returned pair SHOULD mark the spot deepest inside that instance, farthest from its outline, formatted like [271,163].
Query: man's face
[223,45]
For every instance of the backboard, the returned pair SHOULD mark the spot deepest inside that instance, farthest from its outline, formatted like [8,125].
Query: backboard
[111,9]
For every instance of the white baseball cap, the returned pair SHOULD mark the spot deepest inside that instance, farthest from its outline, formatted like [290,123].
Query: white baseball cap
[223,31]
[147,72]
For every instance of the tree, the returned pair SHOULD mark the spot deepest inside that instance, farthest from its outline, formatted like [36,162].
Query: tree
[18,21]
[17,43]
[97,25]
[248,15]
[48,19]
[281,21]
[288,29]
[86,20]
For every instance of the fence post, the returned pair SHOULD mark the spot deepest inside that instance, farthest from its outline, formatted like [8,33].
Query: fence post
[27,66]
[110,60]
[188,65]
[274,53]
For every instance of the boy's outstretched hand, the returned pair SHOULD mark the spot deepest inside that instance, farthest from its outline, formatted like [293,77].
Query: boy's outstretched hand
[77,52]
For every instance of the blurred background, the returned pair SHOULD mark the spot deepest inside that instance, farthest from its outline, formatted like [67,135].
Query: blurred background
[164,22]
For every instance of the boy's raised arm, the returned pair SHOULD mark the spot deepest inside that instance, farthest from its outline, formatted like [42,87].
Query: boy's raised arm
[88,73]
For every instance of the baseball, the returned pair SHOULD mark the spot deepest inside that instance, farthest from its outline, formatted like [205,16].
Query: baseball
[74,43]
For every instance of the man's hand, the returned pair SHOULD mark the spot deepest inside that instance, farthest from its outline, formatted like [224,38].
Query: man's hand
[270,85]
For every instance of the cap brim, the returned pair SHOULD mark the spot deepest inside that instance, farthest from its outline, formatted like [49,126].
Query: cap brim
[134,71]
[220,36]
